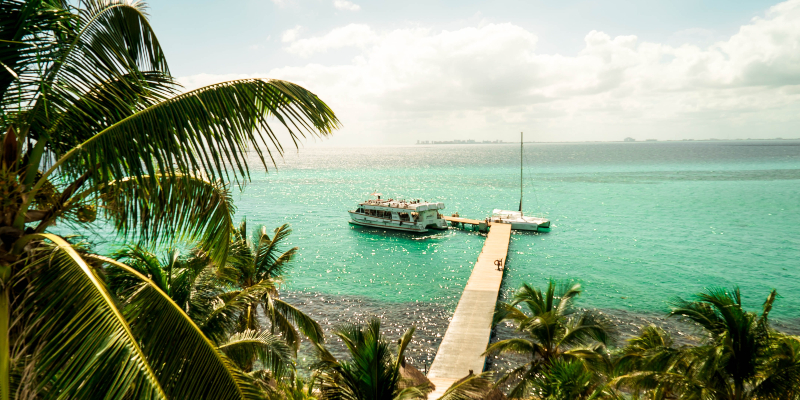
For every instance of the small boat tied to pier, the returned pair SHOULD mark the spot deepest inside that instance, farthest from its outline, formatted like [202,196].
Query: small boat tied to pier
[520,222]
[401,215]
[517,219]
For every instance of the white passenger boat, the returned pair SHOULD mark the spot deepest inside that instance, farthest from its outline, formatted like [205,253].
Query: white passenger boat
[517,219]
[401,215]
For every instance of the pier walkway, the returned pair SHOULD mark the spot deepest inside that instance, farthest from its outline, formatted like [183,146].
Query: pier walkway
[461,220]
[482,226]
[468,333]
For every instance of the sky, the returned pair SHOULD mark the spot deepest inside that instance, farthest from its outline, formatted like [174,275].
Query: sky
[397,72]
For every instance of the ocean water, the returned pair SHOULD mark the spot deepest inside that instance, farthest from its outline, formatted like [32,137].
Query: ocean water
[636,224]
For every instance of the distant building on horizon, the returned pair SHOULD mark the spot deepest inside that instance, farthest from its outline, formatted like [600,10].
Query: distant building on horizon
[629,139]
[457,141]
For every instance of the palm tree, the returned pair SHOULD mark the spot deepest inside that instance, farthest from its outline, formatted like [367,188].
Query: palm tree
[738,340]
[554,330]
[297,388]
[651,366]
[262,261]
[212,304]
[740,358]
[95,124]
[565,380]
[374,372]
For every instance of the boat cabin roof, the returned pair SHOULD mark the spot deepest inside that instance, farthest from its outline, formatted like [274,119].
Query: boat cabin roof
[506,213]
[414,205]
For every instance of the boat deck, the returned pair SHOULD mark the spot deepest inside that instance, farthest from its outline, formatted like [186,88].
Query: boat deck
[468,333]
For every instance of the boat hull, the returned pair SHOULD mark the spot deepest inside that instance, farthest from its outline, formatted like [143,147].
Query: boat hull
[389,226]
[523,226]
[363,220]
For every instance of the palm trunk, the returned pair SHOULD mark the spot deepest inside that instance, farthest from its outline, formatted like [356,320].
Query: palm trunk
[738,390]
[5,360]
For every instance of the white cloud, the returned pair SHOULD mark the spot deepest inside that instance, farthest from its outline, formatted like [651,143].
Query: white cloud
[282,3]
[480,82]
[290,35]
[356,35]
[346,5]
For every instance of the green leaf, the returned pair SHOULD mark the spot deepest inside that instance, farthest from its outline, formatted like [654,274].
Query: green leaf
[165,208]
[271,350]
[189,364]
[471,388]
[210,130]
[225,318]
[89,348]
[305,324]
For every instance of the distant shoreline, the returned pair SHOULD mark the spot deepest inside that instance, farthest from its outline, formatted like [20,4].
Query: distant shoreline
[430,143]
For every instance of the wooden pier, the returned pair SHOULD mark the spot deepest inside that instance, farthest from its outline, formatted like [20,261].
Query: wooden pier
[468,333]
[482,226]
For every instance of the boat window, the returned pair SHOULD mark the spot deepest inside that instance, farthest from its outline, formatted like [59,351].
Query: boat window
[404,217]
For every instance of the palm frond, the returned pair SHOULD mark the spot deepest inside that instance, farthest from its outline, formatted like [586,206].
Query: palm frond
[32,33]
[472,388]
[89,346]
[270,350]
[224,318]
[587,327]
[403,344]
[413,392]
[146,263]
[190,208]
[104,103]
[209,129]
[270,261]
[189,364]
[305,323]
[280,324]
[507,312]
[515,346]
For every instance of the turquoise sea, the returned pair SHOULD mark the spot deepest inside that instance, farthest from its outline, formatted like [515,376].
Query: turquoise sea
[637,224]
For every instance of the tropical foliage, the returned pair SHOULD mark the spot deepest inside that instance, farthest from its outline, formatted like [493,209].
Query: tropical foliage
[373,371]
[225,301]
[213,304]
[94,126]
[558,340]
[740,357]
[260,262]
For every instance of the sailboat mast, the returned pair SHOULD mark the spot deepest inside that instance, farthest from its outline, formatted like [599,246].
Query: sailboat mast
[520,171]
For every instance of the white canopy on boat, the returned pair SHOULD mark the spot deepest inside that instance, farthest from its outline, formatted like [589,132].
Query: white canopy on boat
[412,206]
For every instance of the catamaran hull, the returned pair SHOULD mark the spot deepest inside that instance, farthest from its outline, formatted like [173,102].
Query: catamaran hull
[523,226]
[526,227]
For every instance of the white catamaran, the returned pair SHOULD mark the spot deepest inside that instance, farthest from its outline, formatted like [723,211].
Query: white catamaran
[401,215]
[517,219]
